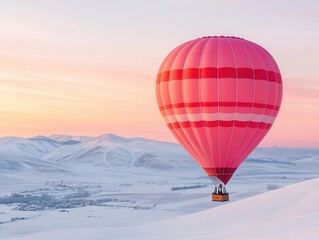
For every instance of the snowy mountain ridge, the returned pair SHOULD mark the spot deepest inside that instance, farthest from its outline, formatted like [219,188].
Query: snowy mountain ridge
[112,150]
[104,151]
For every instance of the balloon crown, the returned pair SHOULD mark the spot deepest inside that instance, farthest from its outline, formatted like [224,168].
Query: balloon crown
[221,37]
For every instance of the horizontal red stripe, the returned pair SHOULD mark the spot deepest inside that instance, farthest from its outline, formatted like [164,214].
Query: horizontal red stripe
[223,173]
[221,104]
[215,171]
[198,124]
[225,72]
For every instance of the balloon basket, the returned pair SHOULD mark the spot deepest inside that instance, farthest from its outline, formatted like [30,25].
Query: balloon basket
[220,197]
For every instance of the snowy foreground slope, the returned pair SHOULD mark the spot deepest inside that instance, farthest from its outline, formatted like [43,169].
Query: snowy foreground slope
[288,213]
[110,186]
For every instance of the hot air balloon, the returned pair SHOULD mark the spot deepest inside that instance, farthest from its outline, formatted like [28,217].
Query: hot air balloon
[219,96]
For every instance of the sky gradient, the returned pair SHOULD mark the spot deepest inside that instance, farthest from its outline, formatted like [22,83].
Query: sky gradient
[89,67]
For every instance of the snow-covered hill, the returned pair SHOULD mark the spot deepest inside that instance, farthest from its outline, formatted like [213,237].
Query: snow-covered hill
[107,150]
[288,213]
[112,151]
[103,185]
[110,154]
[116,151]
[34,147]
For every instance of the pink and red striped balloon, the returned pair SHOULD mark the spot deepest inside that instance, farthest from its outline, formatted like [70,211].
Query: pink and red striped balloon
[219,96]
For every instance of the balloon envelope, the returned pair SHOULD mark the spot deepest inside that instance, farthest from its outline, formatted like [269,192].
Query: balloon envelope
[219,96]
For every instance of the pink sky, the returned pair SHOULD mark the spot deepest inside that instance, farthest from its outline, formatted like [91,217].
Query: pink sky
[89,67]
